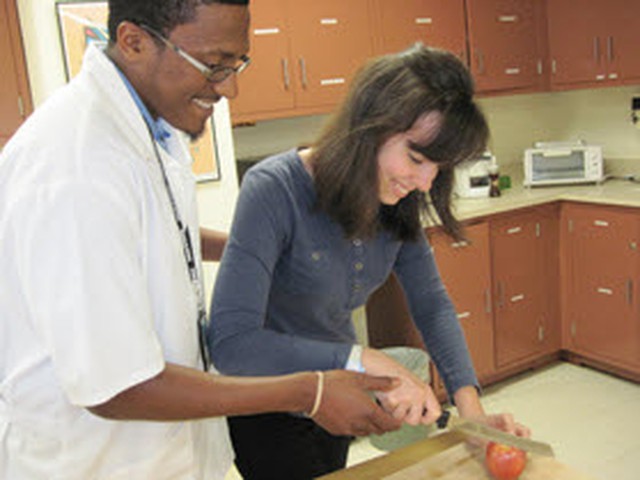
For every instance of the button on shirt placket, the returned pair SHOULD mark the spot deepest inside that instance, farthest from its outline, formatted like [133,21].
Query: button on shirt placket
[356,272]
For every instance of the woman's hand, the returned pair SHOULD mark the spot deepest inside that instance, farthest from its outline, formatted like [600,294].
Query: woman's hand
[468,404]
[505,422]
[413,401]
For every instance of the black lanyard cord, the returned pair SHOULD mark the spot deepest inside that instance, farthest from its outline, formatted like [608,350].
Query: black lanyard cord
[189,256]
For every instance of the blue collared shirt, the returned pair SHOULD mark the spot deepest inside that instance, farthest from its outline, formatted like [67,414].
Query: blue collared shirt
[159,128]
[289,280]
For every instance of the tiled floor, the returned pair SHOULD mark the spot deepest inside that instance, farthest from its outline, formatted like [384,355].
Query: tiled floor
[591,419]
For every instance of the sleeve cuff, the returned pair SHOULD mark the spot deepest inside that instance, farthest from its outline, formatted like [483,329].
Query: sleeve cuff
[354,362]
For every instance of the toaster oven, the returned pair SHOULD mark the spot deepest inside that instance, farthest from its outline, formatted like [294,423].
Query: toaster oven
[557,163]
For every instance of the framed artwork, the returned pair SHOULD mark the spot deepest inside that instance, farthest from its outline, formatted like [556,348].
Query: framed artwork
[84,23]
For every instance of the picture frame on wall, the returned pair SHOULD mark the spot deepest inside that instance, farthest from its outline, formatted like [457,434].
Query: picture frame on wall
[82,23]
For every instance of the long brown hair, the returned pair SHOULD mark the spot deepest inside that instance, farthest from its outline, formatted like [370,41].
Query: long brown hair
[387,96]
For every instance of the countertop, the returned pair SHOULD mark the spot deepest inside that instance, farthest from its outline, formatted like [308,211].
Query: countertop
[611,192]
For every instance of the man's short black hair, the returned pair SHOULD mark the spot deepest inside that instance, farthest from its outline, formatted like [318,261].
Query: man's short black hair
[161,15]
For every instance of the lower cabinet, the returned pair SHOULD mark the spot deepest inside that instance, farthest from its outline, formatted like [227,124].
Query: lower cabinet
[524,253]
[601,271]
[531,285]
[466,272]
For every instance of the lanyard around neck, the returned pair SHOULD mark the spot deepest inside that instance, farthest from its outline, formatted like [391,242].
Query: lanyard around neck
[189,256]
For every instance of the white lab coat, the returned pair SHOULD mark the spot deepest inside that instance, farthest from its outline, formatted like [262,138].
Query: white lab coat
[94,291]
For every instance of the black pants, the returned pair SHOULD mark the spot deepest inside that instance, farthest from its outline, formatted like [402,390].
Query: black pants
[283,447]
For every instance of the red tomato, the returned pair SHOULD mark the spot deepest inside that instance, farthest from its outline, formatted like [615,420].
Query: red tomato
[505,462]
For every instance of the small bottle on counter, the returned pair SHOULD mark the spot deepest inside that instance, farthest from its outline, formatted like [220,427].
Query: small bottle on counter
[494,180]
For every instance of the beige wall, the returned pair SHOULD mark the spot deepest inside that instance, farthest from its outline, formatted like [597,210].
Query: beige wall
[600,116]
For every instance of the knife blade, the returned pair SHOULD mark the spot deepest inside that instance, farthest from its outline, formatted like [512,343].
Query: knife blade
[480,430]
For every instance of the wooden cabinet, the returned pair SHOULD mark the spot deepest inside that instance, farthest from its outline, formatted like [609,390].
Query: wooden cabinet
[506,49]
[525,285]
[437,23]
[601,315]
[15,97]
[466,272]
[304,55]
[593,42]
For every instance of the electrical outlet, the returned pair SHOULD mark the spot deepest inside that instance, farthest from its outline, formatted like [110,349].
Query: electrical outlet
[635,111]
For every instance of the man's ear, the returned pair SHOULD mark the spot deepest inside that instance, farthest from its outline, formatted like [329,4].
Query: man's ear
[133,43]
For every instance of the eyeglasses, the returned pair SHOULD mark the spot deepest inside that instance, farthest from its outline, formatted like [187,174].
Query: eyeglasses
[213,73]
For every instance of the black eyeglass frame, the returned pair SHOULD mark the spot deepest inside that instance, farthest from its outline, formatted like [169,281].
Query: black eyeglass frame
[214,73]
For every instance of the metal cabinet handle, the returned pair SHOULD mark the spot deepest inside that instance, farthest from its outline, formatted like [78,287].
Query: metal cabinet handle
[596,49]
[487,300]
[610,49]
[500,295]
[303,72]
[285,73]
[630,292]
[480,59]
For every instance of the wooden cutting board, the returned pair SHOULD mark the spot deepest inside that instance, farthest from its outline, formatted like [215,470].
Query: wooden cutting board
[447,456]
[463,462]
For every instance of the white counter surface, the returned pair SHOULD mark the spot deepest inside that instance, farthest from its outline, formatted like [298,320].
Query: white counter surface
[612,192]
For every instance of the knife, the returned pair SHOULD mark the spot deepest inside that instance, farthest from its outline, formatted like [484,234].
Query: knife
[480,430]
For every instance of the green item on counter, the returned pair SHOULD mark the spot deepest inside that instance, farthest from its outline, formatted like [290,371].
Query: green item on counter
[504,182]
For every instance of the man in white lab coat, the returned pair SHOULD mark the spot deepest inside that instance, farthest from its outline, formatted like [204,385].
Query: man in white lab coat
[100,275]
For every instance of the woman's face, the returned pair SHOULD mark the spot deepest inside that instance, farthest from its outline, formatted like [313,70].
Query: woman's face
[401,169]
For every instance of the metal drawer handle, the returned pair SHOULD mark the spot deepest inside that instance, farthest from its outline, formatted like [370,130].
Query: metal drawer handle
[605,291]
[517,298]
[464,315]
[601,223]
[514,230]
[266,31]
[461,244]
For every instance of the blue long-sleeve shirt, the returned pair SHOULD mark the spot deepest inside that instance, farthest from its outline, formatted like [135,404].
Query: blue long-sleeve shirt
[289,281]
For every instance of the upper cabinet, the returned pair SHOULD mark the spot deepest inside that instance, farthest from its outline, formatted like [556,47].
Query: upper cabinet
[506,44]
[305,53]
[437,23]
[593,42]
[15,97]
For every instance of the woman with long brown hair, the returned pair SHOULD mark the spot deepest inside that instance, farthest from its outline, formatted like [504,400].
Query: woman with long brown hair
[317,230]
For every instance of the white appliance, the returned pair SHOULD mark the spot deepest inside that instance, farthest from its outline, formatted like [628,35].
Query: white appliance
[471,178]
[556,163]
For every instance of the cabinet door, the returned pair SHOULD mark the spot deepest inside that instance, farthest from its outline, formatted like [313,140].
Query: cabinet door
[503,44]
[623,41]
[330,40]
[520,292]
[15,99]
[437,23]
[577,41]
[465,270]
[603,266]
[266,85]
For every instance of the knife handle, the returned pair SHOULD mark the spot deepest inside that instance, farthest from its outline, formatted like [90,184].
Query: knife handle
[443,420]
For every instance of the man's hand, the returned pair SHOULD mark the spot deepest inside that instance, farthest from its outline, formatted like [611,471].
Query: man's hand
[413,402]
[348,407]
